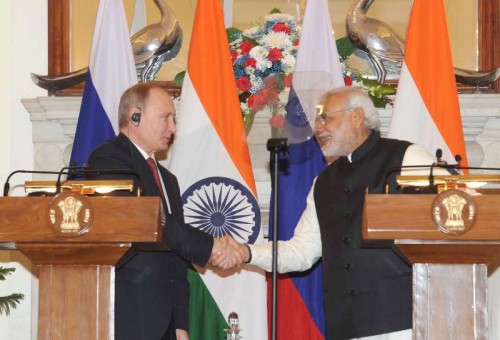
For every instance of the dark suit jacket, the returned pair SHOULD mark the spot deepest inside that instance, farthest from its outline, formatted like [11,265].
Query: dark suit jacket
[151,288]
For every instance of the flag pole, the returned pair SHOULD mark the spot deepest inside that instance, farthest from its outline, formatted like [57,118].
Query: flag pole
[275,146]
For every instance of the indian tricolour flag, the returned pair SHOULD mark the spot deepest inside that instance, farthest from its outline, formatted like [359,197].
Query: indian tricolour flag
[426,110]
[211,159]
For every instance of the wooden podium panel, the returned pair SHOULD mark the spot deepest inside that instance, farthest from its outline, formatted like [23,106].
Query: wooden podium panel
[450,275]
[76,274]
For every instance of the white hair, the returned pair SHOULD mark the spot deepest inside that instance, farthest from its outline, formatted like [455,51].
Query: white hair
[356,97]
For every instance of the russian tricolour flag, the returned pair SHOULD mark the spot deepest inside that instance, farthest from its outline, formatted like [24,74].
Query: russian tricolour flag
[426,110]
[210,155]
[317,70]
[111,72]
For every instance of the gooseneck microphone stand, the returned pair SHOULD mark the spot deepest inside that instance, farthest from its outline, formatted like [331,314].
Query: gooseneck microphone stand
[275,146]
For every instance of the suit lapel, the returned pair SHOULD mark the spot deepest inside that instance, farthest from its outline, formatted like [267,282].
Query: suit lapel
[140,165]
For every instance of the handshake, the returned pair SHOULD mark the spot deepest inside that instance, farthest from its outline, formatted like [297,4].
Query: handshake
[227,253]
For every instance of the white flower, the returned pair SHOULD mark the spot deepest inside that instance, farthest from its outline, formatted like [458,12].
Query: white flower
[251,32]
[250,70]
[258,52]
[283,96]
[280,17]
[279,40]
[288,63]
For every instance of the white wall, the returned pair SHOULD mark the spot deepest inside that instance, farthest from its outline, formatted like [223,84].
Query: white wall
[23,24]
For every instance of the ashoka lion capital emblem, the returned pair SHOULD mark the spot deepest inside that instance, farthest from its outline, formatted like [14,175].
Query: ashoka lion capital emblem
[70,214]
[454,212]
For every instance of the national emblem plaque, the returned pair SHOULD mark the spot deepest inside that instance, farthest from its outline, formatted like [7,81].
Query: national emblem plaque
[70,214]
[454,212]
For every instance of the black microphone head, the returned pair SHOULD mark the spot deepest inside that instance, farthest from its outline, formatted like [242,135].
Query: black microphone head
[458,158]
[439,154]
[6,188]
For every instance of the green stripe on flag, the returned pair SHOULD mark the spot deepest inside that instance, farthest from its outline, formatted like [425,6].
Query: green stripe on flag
[206,321]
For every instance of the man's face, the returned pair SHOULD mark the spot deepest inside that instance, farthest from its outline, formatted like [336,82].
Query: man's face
[157,126]
[334,128]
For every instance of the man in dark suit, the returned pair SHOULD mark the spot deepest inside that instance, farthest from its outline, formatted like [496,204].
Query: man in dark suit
[151,287]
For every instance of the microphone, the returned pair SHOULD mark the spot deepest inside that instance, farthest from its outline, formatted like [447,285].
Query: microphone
[439,154]
[6,186]
[458,159]
[439,163]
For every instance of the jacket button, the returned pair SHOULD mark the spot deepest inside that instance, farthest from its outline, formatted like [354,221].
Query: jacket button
[347,190]
[346,240]
[348,266]
[353,292]
[347,216]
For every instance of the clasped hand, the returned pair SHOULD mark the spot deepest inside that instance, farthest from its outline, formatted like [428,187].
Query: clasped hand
[227,253]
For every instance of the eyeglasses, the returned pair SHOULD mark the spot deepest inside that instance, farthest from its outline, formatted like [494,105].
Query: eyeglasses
[323,117]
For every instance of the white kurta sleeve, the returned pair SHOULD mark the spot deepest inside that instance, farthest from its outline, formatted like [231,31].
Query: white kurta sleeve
[301,251]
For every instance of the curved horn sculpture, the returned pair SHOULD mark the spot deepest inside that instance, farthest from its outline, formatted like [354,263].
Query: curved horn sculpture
[152,46]
[381,43]
[476,78]
[374,37]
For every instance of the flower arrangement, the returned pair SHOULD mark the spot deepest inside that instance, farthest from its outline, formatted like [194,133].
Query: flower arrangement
[263,60]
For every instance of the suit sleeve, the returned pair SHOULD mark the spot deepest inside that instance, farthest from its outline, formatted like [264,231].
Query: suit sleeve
[189,242]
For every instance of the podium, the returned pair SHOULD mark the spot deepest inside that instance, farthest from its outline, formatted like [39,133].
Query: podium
[449,269]
[76,271]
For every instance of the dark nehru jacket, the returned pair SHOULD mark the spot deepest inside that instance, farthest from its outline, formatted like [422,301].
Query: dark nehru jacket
[367,290]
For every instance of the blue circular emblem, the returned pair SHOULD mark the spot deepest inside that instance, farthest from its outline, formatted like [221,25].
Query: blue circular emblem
[222,206]
[295,115]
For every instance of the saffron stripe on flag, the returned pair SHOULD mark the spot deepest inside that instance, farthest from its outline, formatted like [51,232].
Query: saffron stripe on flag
[218,93]
[426,109]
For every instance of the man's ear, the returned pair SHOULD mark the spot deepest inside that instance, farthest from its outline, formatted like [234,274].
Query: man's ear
[358,117]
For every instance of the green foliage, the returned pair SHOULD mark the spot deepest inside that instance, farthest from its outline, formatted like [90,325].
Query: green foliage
[233,34]
[179,78]
[8,302]
[11,301]
[345,47]
[275,10]
[378,92]
[6,271]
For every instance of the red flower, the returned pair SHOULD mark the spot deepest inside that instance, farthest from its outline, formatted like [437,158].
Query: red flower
[243,84]
[234,56]
[277,121]
[256,101]
[280,27]
[269,94]
[250,62]
[348,81]
[288,80]
[245,47]
[296,42]
[274,55]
